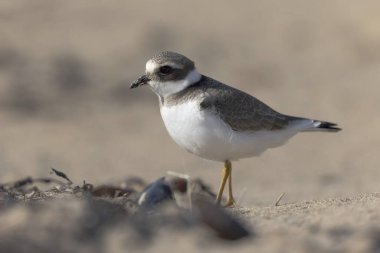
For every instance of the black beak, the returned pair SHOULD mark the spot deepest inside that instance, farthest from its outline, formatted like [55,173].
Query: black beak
[141,81]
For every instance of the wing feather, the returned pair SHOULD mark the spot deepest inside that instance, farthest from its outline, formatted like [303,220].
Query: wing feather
[240,110]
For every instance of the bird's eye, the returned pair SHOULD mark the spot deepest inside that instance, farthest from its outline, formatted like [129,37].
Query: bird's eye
[165,70]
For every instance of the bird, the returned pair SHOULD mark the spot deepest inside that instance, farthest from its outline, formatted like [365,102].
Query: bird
[216,121]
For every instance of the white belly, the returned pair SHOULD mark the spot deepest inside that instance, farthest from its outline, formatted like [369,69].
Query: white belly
[206,135]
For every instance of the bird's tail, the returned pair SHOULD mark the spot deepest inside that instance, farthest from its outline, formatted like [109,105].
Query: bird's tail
[322,126]
[312,125]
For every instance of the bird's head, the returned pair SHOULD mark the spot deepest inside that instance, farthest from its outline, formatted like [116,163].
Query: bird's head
[168,73]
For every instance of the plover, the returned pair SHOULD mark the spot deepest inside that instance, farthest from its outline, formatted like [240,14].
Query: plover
[215,121]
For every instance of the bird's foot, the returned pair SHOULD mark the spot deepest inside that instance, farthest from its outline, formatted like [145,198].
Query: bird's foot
[230,203]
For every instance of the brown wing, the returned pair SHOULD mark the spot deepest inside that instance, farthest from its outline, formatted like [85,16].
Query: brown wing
[242,111]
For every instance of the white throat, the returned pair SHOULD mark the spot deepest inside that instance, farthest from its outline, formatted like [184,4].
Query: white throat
[168,88]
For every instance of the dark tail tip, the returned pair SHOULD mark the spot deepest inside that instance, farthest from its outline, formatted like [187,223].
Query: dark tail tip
[327,126]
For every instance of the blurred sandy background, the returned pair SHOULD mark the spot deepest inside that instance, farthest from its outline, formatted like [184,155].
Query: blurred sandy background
[65,68]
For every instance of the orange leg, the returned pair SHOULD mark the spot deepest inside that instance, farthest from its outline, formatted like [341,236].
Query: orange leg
[226,174]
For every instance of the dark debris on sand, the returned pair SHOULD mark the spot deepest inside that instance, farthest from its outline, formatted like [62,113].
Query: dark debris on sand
[51,215]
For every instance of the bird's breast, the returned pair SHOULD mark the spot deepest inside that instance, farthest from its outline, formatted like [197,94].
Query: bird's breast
[194,129]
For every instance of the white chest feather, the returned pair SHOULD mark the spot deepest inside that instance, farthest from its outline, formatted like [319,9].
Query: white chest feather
[191,128]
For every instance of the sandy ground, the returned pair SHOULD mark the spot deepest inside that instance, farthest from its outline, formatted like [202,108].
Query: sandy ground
[68,218]
[65,67]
